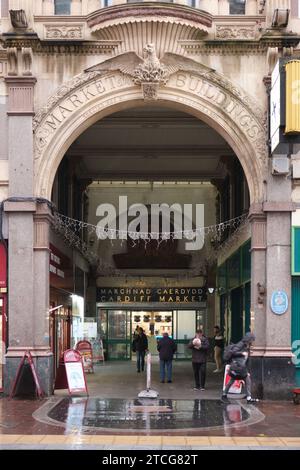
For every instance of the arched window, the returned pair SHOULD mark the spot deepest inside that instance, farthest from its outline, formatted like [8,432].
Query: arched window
[62,7]
[237,7]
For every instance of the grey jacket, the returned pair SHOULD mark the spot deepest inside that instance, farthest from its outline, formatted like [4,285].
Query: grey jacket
[199,355]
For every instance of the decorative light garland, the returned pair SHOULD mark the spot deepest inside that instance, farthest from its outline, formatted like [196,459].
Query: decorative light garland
[71,230]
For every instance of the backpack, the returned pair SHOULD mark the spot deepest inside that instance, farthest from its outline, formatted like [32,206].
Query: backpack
[228,352]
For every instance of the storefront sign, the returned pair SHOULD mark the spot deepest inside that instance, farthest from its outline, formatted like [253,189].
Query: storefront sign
[292,97]
[75,372]
[151,294]
[279,302]
[61,274]
[85,349]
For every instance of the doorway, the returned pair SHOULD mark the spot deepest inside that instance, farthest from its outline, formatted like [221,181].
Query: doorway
[3,320]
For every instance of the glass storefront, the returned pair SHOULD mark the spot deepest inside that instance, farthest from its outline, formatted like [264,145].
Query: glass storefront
[116,329]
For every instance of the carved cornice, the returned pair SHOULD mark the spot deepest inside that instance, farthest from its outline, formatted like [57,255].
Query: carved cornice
[160,11]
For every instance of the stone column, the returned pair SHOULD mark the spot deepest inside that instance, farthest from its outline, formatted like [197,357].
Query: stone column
[223,7]
[278,368]
[26,270]
[258,290]
[251,7]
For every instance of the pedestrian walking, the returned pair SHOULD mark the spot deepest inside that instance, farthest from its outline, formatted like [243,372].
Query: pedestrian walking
[199,346]
[167,348]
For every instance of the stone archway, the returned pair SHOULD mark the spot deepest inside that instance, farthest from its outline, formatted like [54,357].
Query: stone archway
[92,95]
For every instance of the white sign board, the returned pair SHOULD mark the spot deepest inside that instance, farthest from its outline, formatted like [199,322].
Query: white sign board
[75,377]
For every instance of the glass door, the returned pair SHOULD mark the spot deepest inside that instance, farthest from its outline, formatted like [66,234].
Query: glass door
[118,335]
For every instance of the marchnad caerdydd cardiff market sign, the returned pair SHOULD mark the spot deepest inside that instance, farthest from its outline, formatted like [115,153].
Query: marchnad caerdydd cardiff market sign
[151,294]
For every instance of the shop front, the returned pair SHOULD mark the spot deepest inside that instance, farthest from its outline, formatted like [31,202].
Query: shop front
[3,310]
[177,311]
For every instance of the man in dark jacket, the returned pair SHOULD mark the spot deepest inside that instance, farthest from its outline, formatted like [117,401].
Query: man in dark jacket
[140,344]
[238,361]
[166,347]
[199,346]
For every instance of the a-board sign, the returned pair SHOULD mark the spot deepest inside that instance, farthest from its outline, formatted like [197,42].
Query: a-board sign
[86,351]
[236,387]
[75,372]
[18,379]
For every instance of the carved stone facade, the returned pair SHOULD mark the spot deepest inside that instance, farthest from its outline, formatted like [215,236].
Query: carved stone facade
[62,74]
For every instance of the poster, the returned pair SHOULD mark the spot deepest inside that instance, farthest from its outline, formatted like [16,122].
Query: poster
[75,376]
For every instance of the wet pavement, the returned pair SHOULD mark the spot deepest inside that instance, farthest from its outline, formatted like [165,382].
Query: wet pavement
[113,416]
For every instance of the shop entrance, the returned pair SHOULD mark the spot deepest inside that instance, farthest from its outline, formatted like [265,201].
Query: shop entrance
[3,320]
[116,329]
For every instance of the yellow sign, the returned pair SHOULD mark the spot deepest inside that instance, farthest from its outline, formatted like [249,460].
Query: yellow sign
[292,97]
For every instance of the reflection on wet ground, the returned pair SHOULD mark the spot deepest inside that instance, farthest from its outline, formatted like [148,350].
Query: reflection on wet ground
[147,414]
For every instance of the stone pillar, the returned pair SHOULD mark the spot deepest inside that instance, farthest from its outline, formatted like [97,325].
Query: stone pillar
[258,290]
[271,361]
[76,7]
[223,7]
[27,299]
[251,7]
[48,7]
[92,5]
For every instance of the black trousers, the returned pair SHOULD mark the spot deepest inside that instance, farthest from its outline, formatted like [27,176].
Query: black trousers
[199,374]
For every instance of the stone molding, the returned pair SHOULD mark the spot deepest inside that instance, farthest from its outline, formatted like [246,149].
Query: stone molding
[20,95]
[22,206]
[42,220]
[227,107]
[64,31]
[159,10]
[286,206]
[35,351]
[231,31]
[259,234]
[271,351]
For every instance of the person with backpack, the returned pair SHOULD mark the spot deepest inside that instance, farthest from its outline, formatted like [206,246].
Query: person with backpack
[237,355]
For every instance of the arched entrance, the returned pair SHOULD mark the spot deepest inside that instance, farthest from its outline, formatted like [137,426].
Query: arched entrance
[94,95]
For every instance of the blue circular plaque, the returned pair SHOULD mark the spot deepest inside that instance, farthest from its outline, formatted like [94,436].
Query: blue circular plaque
[279,302]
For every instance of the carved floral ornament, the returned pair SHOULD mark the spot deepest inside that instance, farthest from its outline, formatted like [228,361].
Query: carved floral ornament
[214,93]
[64,31]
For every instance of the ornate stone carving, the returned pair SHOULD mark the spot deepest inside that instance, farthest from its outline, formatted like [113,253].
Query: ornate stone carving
[150,72]
[235,32]
[27,60]
[12,60]
[63,32]
[18,19]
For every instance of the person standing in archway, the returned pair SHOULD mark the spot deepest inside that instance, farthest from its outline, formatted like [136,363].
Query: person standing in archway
[218,348]
[199,346]
[141,346]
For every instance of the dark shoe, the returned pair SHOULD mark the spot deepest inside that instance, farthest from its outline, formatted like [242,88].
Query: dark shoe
[138,371]
[162,381]
[224,399]
[169,381]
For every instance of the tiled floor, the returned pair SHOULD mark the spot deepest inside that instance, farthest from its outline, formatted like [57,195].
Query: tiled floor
[279,429]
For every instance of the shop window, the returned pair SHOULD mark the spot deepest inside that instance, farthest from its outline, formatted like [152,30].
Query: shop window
[237,7]
[62,7]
